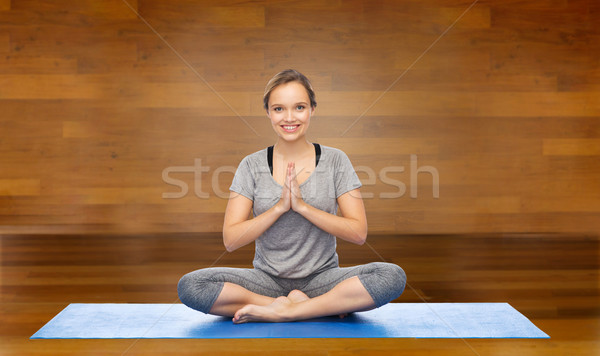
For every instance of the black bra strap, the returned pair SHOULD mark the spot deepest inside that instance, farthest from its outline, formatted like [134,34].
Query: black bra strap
[318,153]
[270,156]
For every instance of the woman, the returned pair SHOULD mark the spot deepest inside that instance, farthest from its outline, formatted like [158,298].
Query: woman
[294,189]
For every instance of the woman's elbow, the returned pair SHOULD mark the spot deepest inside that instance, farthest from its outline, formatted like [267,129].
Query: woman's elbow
[361,237]
[228,242]
[228,246]
[359,228]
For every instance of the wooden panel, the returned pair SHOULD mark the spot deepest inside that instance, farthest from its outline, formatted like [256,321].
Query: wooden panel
[488,104]
[19,64]
[5,5]
[4,43]
[75,129]
[202,15]
[571,147]
[47,87]
[503,106]
[110,9]
[19,187]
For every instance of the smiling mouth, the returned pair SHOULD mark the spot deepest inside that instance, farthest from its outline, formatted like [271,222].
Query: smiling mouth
[290,128]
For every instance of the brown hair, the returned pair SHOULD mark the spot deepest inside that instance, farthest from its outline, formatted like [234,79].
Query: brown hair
[284,77]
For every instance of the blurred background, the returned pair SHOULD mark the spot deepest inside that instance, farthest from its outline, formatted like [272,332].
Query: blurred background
[124,116]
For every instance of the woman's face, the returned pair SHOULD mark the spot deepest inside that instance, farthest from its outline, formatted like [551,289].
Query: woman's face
[290,111]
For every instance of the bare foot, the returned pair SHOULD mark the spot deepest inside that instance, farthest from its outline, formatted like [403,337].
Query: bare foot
[274,312]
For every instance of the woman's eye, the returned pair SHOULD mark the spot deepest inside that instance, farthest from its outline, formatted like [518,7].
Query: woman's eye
[278,109]
[300,107]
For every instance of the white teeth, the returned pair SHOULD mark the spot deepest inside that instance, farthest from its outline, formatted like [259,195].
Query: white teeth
[289,127]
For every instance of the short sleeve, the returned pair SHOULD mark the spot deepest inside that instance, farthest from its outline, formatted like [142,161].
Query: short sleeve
[243,180]
[346,178]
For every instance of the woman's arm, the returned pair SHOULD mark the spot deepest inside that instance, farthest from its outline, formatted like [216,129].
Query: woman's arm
[238,230]
[351,226]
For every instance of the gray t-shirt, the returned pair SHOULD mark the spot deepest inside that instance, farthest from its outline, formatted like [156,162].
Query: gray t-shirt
[293,247]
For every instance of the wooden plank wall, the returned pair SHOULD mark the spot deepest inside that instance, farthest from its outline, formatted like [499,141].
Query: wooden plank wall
[494,103]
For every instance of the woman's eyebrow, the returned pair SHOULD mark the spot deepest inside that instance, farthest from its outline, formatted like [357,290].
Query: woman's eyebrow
[300,102]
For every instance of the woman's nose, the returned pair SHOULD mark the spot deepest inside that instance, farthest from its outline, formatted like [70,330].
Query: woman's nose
[289,116]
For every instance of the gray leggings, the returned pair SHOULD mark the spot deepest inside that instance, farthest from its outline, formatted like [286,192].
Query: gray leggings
[199,289]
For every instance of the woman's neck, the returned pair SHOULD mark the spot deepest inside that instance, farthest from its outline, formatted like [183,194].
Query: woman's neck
[294,149]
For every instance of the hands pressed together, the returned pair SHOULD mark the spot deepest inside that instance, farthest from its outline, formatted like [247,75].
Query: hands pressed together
[291,197]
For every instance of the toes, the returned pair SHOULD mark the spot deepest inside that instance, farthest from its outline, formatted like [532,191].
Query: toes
[240,316]
[241,320]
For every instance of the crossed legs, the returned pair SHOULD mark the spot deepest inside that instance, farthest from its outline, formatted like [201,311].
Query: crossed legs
[346,297]
[251,295]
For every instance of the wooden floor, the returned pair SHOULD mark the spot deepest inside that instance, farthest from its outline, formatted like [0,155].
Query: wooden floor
[552,279]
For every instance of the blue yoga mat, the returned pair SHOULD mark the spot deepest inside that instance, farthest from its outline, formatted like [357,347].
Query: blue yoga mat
[397,320]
